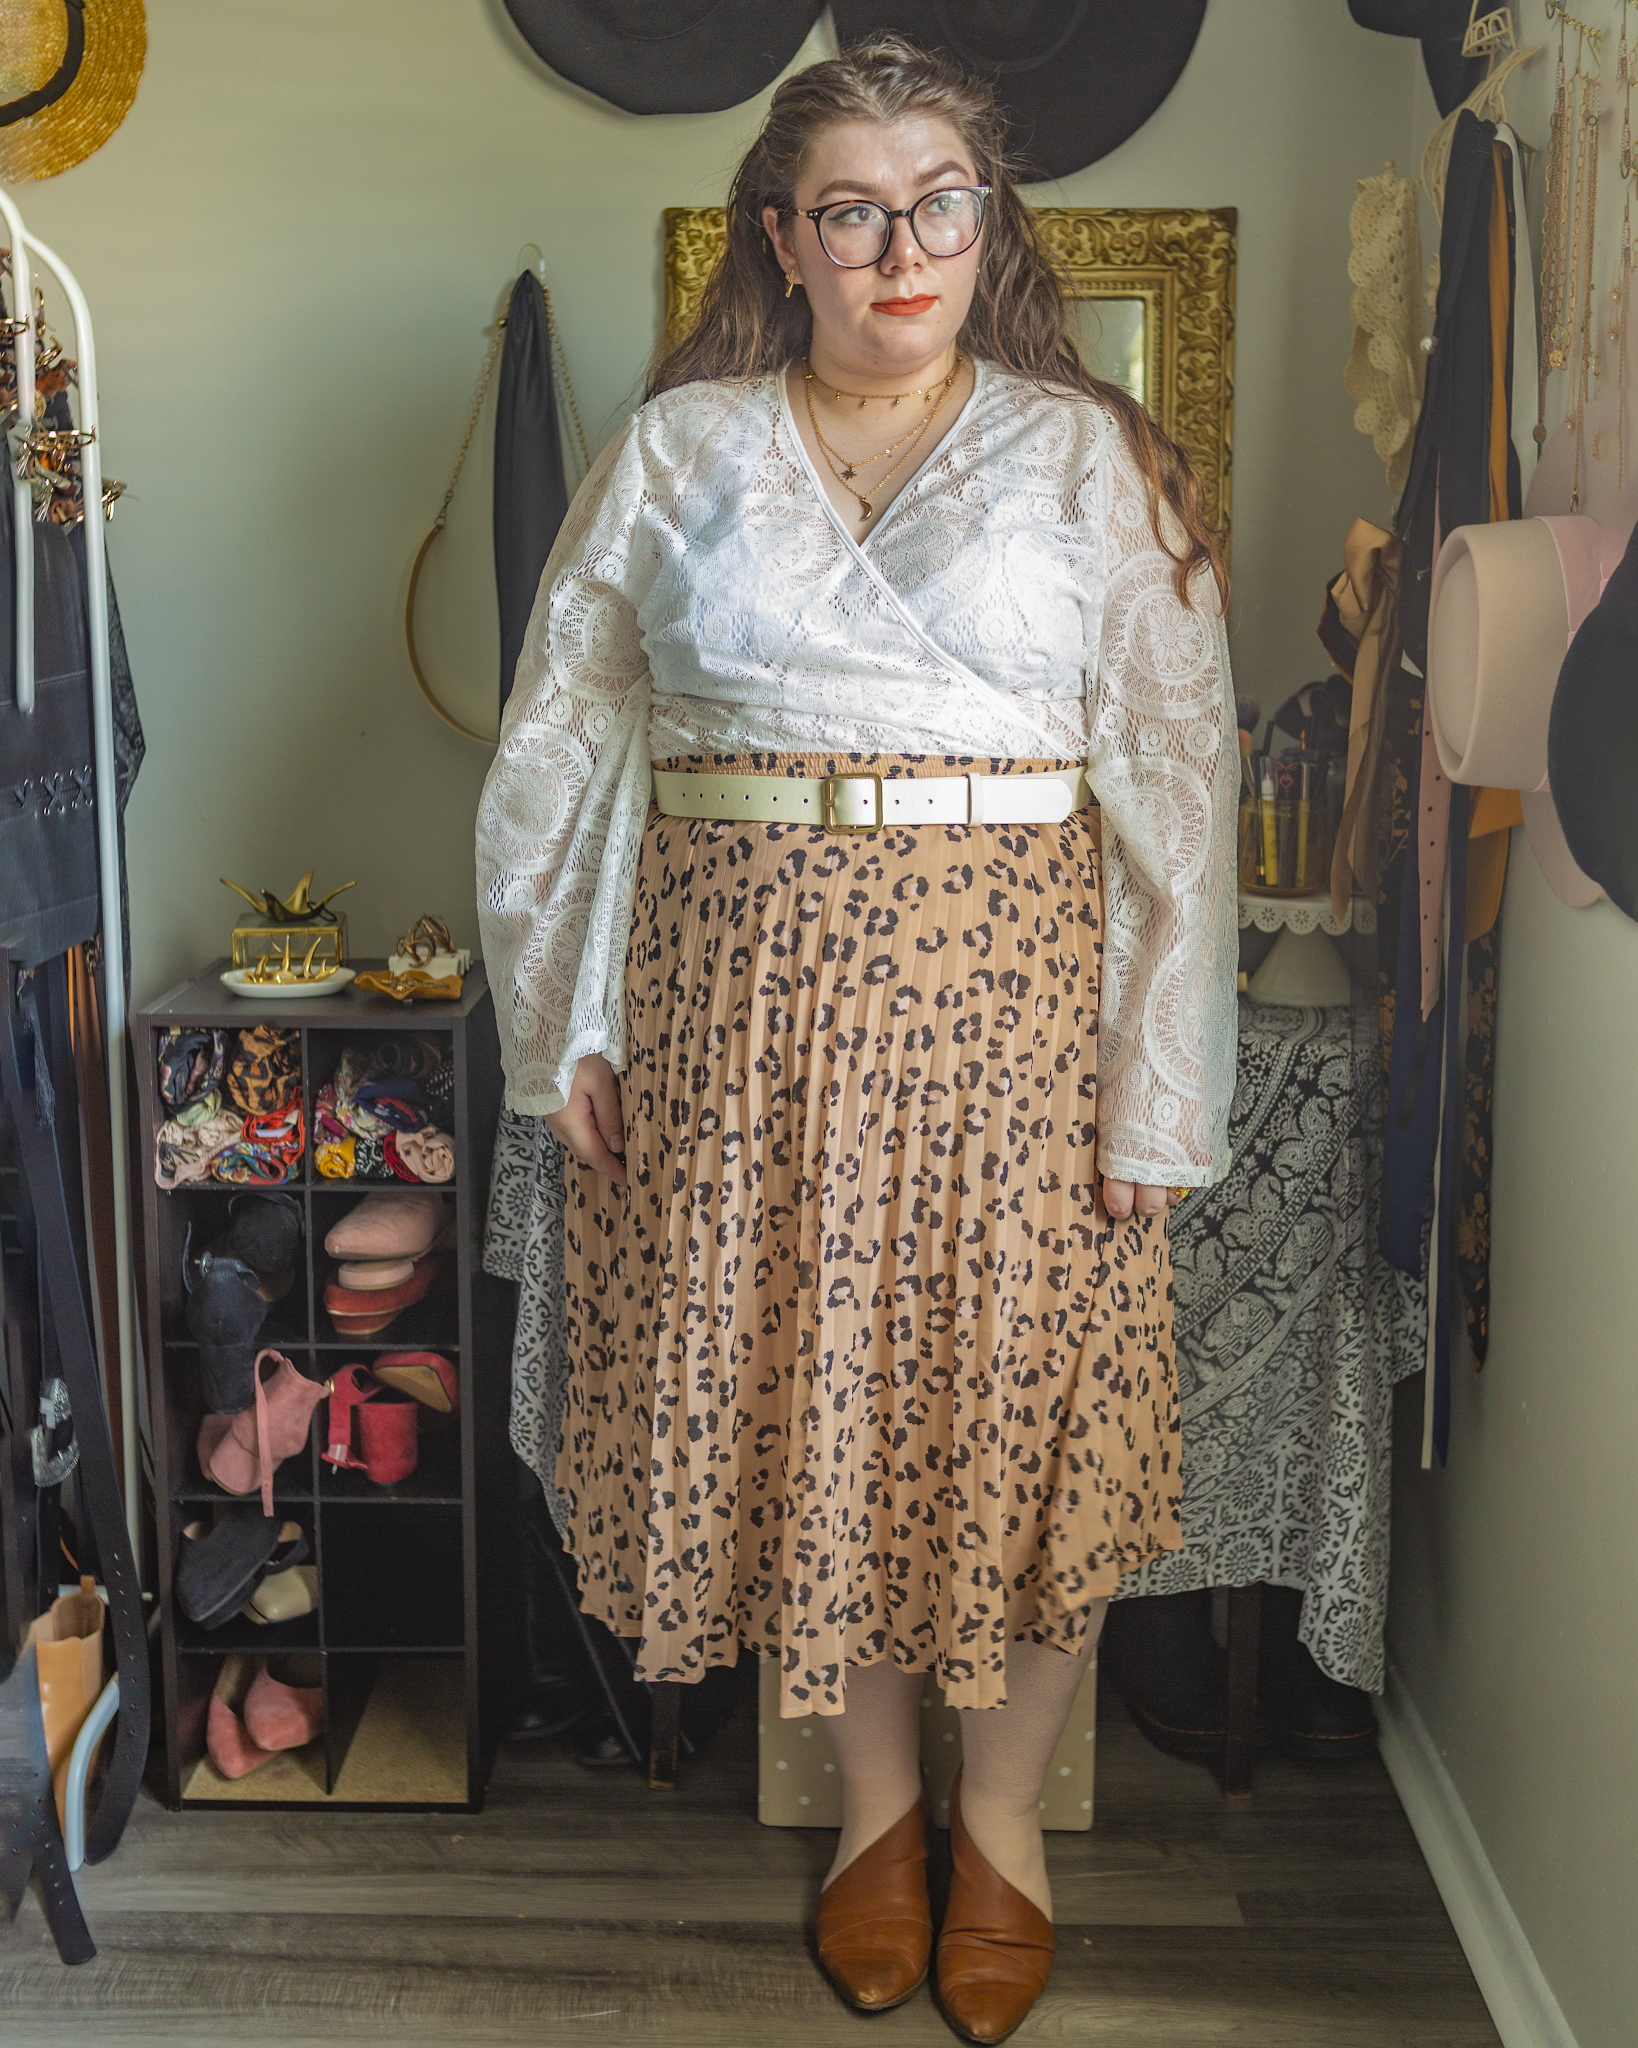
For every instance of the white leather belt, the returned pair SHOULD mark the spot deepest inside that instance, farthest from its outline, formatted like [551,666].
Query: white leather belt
[865,802]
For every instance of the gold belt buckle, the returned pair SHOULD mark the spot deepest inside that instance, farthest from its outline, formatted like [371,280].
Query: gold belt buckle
[827,802]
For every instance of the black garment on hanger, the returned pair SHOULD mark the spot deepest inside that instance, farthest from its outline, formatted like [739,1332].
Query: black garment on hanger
[531,496]
[1448,486]
[49,886]
[1449,481]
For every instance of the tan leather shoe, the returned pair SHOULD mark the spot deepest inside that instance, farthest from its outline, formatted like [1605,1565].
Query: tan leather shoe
[875,1925]
[995,1949]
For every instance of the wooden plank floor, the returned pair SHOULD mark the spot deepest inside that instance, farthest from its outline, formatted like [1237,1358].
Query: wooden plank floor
[582,1908]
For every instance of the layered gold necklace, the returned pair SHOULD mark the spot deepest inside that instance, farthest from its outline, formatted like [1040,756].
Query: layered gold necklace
[845,469]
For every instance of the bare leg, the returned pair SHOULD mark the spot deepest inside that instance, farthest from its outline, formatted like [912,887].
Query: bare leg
[1005,1752]
[878,1751]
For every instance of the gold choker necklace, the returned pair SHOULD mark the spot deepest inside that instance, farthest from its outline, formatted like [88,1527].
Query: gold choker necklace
[886,397]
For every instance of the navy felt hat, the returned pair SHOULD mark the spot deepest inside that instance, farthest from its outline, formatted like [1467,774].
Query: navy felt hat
[1077,77]
[1592,739]
[1440,26]
[666,56]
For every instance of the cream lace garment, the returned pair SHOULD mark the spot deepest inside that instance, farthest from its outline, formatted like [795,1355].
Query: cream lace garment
[1387,368]
[703,597]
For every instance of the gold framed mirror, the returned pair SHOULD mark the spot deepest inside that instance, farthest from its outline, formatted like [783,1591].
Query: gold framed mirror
[1152,289]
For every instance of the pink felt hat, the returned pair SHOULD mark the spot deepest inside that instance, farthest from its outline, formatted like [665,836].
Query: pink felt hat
[1506,602]
[396,1224]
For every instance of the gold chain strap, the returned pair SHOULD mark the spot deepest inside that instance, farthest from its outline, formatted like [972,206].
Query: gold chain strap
[561,364]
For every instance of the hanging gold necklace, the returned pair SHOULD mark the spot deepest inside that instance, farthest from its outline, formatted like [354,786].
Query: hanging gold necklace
[1555,235]
[844,475]
[1586,200]
[1621,290]
[1568,319]
[887,397]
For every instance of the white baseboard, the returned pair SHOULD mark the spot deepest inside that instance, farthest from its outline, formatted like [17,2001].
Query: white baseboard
[1521,2002]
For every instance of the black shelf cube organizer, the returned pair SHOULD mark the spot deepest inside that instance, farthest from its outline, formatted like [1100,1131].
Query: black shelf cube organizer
[408,1630]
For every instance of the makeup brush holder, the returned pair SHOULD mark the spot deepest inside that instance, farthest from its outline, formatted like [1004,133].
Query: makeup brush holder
[1284,847]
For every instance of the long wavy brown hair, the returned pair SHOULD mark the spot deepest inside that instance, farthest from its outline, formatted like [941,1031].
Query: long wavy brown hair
[748,327]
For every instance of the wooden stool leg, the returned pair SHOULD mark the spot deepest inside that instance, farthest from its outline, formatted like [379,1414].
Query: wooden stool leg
[662,1739]
[1245,1608]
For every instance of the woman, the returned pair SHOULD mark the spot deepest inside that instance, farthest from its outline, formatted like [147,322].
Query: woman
[876,1120]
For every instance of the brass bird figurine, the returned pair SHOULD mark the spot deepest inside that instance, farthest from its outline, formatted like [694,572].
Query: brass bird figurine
[297,908]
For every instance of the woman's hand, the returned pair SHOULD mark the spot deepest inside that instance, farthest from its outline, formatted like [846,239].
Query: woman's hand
[1123,1198]
[590,1124]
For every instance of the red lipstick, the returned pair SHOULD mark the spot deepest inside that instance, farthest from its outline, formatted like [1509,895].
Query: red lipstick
[924,304]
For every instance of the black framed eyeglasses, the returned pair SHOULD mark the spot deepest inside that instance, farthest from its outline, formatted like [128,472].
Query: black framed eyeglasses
[855,233]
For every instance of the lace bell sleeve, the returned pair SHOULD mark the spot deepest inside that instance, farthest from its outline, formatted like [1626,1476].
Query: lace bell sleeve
[1165,766]
[561,818]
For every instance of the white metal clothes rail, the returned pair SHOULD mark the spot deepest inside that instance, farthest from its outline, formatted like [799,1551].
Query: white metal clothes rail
[25,246]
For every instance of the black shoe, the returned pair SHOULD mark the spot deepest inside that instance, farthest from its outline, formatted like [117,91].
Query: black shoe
[264,1231]
[1315,1717]
[600,1747]
[230,1286]
[555,1689]
[220,1568]
[549,1710]
[1158,1652]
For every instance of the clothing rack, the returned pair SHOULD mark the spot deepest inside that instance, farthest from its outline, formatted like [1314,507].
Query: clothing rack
[23,246]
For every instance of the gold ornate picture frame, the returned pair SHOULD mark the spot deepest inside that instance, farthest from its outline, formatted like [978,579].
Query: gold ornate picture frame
[1178,261]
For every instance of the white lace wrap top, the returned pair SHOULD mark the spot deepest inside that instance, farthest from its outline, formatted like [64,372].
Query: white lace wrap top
[704,597]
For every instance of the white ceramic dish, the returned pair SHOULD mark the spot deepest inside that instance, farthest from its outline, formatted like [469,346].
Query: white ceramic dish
[288,991]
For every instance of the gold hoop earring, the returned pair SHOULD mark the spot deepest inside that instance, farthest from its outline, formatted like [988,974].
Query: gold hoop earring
[791,282]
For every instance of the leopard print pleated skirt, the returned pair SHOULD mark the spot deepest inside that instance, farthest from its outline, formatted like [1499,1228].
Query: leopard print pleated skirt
[862,1369]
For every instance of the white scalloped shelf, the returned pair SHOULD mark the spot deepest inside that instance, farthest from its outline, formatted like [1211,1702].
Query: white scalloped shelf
[1304,914]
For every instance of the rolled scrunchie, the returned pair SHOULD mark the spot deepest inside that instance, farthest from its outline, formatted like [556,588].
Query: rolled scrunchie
[428,1155]
[334,1158]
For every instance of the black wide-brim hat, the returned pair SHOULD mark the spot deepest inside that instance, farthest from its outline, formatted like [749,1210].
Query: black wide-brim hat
[1439,25]
[1592,739]
[1076,77]
[666,56]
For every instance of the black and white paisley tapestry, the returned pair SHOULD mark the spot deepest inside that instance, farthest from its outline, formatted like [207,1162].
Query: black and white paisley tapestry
[1291,1333]
[523,1241]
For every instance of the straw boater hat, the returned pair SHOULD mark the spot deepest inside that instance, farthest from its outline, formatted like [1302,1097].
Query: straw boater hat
[68,74]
